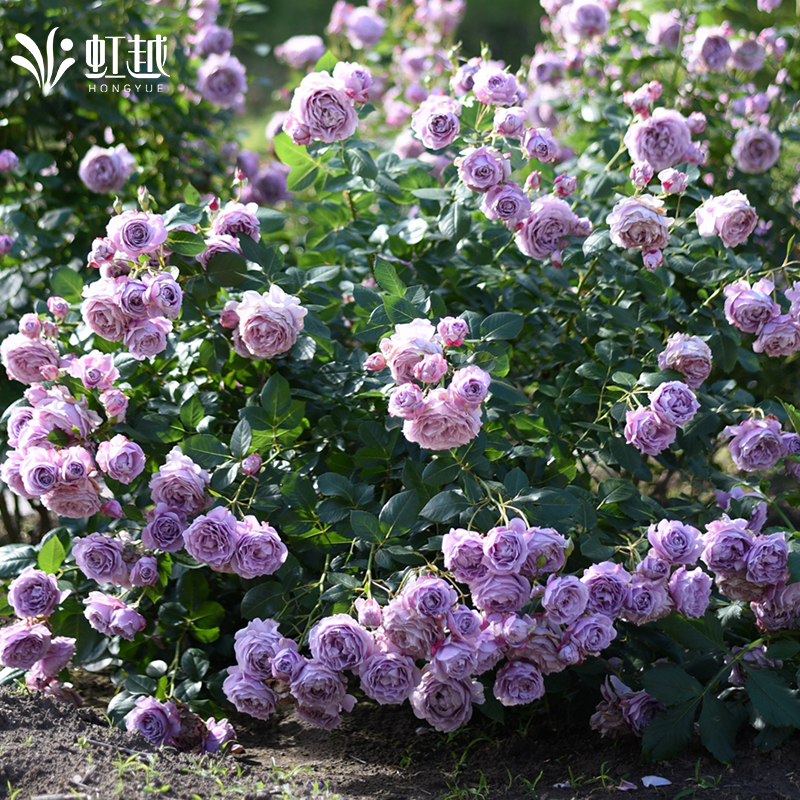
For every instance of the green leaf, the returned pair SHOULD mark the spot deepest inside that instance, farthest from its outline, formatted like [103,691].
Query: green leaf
[669,732]
[366,526]
[192,589]
[445,506]
[793,414]
[551,504]
[195,663]
[191,196]
[441,471]
[503,325]
[241,438]
[276,397]
[331,484]
[51,556]
[227,269]
[400,513]
[326,63]
[718,729]
[205,450]
[671,685]
[67,283]
[399,310]
[192,413]
[207,615]
[293,155]
[263,601]
[386,275]
[696,634]
[59,438]
[359,162]
[186,243]
[774,701]
[454,222]
[140,684]
[301,178]
[14,558]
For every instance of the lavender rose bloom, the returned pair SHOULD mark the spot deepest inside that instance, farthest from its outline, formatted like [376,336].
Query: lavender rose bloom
[323,107]
[58,655]
[455,658]
[756,149]
[647,432]
[494,86]
[250,696]
[546,229]
[270,322]
[505,549]
[300,51]
[145,571]
[158,722]
[518,683]
[689,355]
[355,79]
[675,542]
[164,529]
[40,471]
[607,584]
[665,30]
[319,687]
[429,597]
[221,79]
[23,358]
[164,296]
[216,244]
[756,444]
[213,39]
[463,554]
[431,369]
[212,538]
[443,422]
[255,645]
[639,223]
[750,308]
[481,168]
[409,344]
[237,218]
[106,170]
[147,337]
[405,401]
[510,122]
[546,550]
[539,143]
[469,386]
[259,549]
[690,591]
[102,312]
[22,645]
[661,140]
[340,642]
[365,28]
[767,559]
[74,500]
[653,567]
[137,232]
[180,484]
[121,459]
[779,337]
[565,598]
[730,216]
[646,601]
[409,633]
[506,202]
[447,705]
[8,160]
[464,623]
[726,544]
[436,122]
[638,710]
[591,634]
[709,51]
[500,594]
[34,593]
[100,558]
[217,734]
[287,663]
[778,608]
[389,678]
[674,403]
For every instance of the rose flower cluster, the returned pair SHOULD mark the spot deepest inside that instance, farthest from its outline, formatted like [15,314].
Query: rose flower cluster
[434,417]
[758,444]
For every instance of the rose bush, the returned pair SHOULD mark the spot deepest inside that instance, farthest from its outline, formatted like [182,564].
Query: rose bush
[448,428]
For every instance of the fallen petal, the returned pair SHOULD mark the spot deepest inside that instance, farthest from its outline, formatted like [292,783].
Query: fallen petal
[654,780]
[627,786]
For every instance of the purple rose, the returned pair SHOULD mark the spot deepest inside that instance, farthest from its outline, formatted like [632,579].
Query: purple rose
[215,244]
[218,733]
[389,678]
[779,607]
[213,39]
[463,79]
[447,705]
[255,645]
[137,232]
[481,168]
[212,538]
[500,594]
[34,593]
[319,687]
[756,444]
[40,471]
[539,143]
[23,357]
[730,216]
[164,296]
[322,106]
[100,558]
[510,122]
[505,549]
[164,529]
[664,30]
[147,337]
[102,312]
[8,160]
[518,683]
[115,404]
[506,202]
[259,549]
[591,634]
[145,571]
[674,403]
[546,551]
[431,369]
[270,322]
[355,79]
[709,51]
[675,542]
[74,500]
[463,554]
[690,591]
[455,658]
[287,663]
[641,174]
[365,28]
[340,642]
[661,140]
[546,229]
[158,722]
[494,86]
[106,170]
[750,308]
[180,484]
[237,218]
[756,149]
[779,337]
[470,386]
[767,559]
[645,601]
[58,655]
[429,597]
[222,80]
[369,612]
[300,51]
[726,544]
[407,632]
[639,223]
[121,459]
[436,121]
[95,370]
[464,623]
[582,19]
[565,598]
[608,585]
[647,432]
[638,710]
[443,422]
[22,645]
[654,567]
[250,696]
[689,355]
[405,401]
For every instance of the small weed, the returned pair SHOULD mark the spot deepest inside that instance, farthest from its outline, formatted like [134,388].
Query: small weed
[12,793]
[479,792]
[530,786]
[700,781]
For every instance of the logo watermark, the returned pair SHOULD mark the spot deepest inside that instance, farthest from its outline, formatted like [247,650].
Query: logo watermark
[44,78]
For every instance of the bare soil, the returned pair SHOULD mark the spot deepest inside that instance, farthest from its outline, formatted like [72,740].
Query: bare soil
[378,753]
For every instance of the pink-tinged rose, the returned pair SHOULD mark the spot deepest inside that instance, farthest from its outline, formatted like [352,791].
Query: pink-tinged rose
[375,362]
[641,174]
[661,140]
[40,471]
[340,642]
[779,337]
[409,344]
[147,337]
[756,149]
[726,544]
[675,542]
[180,484]
[17,421]
[464,77]
[591,634]
[299,52]
[505,549]
[164,529]
[270,322]
[672,181]
[34,593]
[500,594]
[639,709]
[539,143]
[664,30]
[445,421]
[565,598]
[297,131]
[507,203]
[75,500]
[100,609]
[24,358]
[355,79]
[8,160]
[750,308]
[145,571]
[222,80]
[767,559]
[639,223]
[689,355]
[102,311]
[369,612]
[323,107]
[389,678]
[565,185]
[215,244]
[407,632]
[756,444]
[447,705]
[321,688]
[709,50]
[95,370]
[546,229]
[645,601]
[131,298]
[582,20]
[237,218]
[137,232]
[510,122]
[158,722]
[255,646]
[76,464]
[406,401]
[106,170]
[534,181]
[6,243]
[259,549]
[112,509]
[453,331]
[436,121]
[30,325]
[100,558]
[470,386]
[251,464]
[730,216]
[103,252]
[115,404]
[463,554]
[647,432]
[229,316]
[431,369]
[22,645]
[364,28]
[212,537]
[481,168]
[674,403]
[493,85]
[163,297]
[690,591]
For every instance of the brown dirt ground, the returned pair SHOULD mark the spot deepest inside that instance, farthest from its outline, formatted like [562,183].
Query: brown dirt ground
[378,753]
